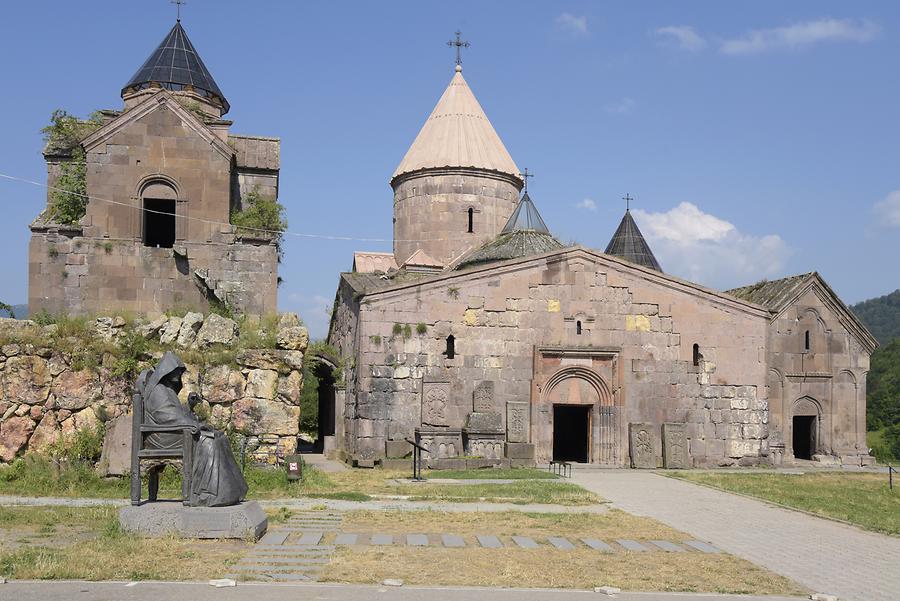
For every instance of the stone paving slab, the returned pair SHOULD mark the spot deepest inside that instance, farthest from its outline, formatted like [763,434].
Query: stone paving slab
[346,539]
[598,545]
[452,540]
[560,543]
[631,545]
[525,542]
[275,537]
[310,538]
[382,539]
[416,540]
[668,546]
[825,556]
[489,541]
[701,546]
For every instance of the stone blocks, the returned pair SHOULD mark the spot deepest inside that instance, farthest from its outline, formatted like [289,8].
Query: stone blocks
[245,520]
[641,441]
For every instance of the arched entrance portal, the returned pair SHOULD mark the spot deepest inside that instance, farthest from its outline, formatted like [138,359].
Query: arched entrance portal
[583,419]
[805,423]
[319,413]
[324,373]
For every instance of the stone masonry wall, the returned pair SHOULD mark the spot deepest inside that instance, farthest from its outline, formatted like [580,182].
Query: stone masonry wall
[45,395]
[502,318]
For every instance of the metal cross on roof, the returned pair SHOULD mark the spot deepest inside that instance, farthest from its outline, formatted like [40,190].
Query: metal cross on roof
[178,3]
[627,198]
[525,175]
[459,46]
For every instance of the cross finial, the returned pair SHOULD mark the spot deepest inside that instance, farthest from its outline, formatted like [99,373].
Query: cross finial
[178,3]
[459,46]
[627,198]
[525,175]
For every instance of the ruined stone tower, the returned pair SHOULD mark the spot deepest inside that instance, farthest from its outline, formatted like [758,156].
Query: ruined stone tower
[457,185]
[163,176]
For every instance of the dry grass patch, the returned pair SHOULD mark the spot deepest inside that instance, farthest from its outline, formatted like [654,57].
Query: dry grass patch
[610,525]
[551,568]
[86,544]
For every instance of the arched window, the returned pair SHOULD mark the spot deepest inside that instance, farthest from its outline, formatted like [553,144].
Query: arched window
[158,210]
[697,355]
[451,347]
[806,341]
[471,220]
[578,327]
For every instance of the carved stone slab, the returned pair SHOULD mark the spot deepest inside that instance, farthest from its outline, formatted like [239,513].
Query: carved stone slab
[441,444]
[518,421]
[675,447]
[640,442]
[483,397]
[435,403]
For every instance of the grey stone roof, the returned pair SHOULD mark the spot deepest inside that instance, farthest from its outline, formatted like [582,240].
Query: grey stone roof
[774,294]
[524,234]
[176,65]
[628,243]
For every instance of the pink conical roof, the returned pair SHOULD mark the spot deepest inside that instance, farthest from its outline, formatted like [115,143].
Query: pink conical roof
[457,134]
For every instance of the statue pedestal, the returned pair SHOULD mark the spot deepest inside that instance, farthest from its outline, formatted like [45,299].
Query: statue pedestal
[245,520]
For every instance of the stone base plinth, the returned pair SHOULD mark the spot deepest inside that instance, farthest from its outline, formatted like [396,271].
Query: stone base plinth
[246,520]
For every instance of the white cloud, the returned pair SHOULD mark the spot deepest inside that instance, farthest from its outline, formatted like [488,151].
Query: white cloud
[576,26]
[620,107]
[889,209]
[682,36]
[802,35]
[587,204]
[708,250]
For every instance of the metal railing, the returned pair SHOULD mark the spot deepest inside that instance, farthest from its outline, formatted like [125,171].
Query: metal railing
[417,460]
[891,472]
[560,468]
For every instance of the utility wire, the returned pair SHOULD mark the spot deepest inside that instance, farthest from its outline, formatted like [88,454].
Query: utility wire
[208,221]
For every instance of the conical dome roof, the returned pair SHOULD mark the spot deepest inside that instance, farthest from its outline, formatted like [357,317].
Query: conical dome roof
[629,244]
[525,234]
[176,65]
[457,134]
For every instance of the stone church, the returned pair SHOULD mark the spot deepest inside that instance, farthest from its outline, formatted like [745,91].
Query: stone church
[163,175]
[483,336]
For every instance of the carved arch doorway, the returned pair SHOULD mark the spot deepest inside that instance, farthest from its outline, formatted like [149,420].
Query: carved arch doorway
[806,422]
[584,425]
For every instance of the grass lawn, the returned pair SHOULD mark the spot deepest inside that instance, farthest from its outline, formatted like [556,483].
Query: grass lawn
[544,567]
[862,499]
[516,473]
[86,544]
[35,477]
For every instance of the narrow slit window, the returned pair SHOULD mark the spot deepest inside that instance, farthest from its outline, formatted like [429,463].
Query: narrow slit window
[451,347]
[471,213]
[806,341]
[578,327]
[697,355]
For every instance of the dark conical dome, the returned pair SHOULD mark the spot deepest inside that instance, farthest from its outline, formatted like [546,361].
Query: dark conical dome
[525,217]
[176,65]
[629,244]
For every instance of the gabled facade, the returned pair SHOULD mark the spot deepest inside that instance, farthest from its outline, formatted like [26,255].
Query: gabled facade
[162,176]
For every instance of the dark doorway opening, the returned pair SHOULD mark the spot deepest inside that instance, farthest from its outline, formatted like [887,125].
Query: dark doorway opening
[804,437]
[159,222]
[325,375]
[571,432]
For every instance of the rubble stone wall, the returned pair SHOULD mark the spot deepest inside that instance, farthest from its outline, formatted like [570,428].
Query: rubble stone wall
[45,394]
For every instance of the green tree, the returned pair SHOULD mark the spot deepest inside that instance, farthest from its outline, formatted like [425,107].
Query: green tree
[261,216]
[68,198]
[8,309]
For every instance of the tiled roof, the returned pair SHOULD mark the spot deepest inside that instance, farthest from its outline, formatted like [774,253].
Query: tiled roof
[176,64]
[457,134]
[773,294]
[628,243]
[371,262]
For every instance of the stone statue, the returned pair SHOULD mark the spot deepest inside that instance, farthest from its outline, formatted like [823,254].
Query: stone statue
[215,478]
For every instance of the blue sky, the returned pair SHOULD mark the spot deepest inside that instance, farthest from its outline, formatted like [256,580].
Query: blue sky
[758,139]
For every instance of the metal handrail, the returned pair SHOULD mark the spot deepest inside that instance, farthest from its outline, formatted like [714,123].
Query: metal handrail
[891,472]
[417,460]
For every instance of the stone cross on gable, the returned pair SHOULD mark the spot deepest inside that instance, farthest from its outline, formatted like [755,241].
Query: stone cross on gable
[459,46]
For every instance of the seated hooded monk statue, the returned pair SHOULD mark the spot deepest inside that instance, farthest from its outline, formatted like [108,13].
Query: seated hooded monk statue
[216,479]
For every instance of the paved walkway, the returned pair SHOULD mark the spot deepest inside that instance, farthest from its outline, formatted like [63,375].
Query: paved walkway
[171,591]
[824,556]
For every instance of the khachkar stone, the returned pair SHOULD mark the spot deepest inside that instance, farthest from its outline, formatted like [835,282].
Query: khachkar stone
[517,421]
[675,447]
[640,438]
[435,403]
[483,397]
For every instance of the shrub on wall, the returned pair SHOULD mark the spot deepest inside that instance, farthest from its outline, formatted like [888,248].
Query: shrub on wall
[261,215]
